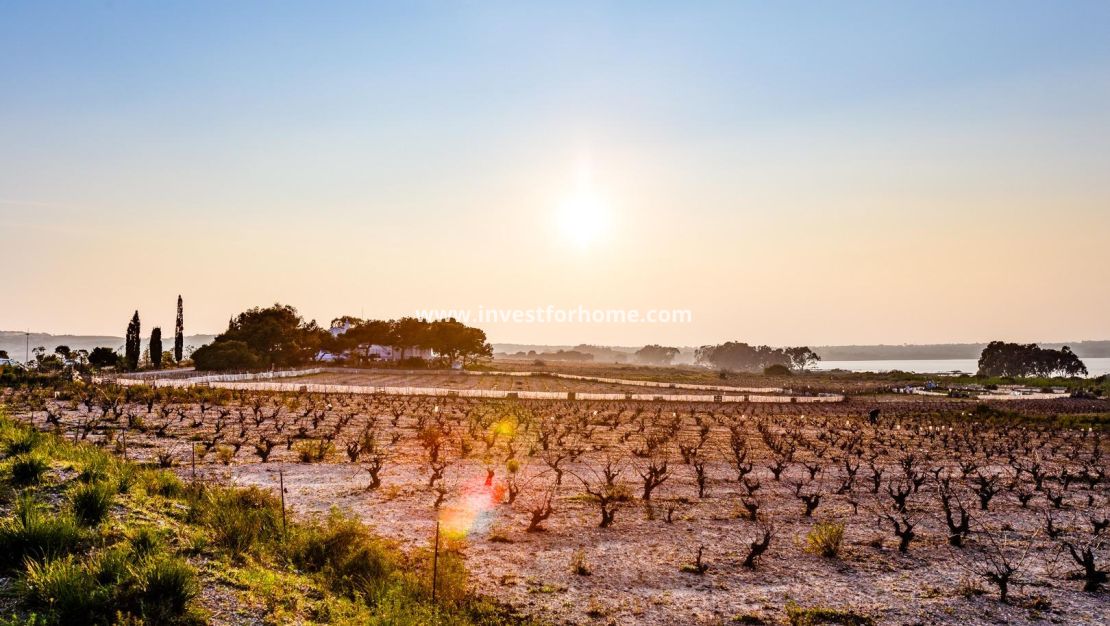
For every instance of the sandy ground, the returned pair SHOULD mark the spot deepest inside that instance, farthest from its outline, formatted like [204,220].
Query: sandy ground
[635,565]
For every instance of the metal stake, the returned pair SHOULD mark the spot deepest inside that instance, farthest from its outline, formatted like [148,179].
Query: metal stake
[281,488]
[435,563]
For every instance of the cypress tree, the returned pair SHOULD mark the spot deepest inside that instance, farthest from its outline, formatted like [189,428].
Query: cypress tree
[156,348]
[131,343]
[179,332]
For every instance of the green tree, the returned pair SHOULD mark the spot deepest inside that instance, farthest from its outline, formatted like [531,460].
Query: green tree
[225,355]
[801,357]
[408,333]
[456,342]
[103,357]
[360,333]
[1020,360]
[156,348]
[276,336]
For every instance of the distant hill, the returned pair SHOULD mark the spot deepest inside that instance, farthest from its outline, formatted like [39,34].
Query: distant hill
[15,342]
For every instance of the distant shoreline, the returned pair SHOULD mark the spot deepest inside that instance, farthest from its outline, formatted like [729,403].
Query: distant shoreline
[14,342]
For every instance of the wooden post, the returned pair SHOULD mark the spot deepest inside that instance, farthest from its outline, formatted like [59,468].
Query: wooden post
[435,563]
[281,488]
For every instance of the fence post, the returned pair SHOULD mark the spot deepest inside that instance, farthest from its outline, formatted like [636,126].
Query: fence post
[281,489]
[435,563]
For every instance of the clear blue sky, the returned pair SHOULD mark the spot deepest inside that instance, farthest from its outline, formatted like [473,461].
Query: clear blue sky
[902,171]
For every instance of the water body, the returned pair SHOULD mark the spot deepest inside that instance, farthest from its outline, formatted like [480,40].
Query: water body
[1095,367]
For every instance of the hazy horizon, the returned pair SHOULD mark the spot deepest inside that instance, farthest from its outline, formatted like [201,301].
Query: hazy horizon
[858,174]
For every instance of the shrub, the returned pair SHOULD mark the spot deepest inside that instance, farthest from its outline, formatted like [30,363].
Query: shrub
[28,469]
[23,443]
[30,534]
[168,585]
[343,550]
[225,454]
[239,519]
[777,370]
[165,484]
[96,469]
[824,539]
[578,563]
[110,589]
[226,355]
[66,590]
[314,451]
[92,502]
[146,540]
[116,567]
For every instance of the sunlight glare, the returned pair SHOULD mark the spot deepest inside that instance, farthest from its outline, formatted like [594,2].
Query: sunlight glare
[584,216]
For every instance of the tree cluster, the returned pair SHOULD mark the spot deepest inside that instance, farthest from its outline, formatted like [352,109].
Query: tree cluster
[733,355]
[451,340]
[274,336]
[1020,360]
[656,354]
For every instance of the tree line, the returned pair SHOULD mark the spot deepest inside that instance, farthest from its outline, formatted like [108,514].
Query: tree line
[277,336]
[738,356]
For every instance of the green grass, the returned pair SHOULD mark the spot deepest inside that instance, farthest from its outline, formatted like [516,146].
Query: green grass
[812,616]
[91,502]
[28,532]
[824,539]
[103,541]
[27,469]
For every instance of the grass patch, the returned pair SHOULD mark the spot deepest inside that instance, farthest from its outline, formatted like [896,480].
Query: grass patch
[812,616]
[27,470]
[91,502]
[73,562]
[31,533]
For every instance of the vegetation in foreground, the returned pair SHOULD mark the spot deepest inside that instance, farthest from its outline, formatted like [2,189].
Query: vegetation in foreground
[88,538]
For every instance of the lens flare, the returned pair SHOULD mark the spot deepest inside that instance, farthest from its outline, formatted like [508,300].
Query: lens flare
[472,512]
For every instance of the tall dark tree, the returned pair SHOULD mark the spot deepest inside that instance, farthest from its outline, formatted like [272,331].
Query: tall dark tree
[132,343]
[179,332]
[156,348]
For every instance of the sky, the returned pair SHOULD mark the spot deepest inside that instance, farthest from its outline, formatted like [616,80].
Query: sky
[787,173]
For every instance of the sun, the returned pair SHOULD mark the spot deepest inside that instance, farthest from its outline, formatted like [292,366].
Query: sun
[583,218]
